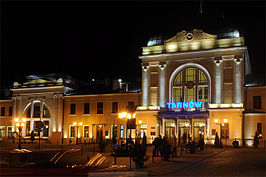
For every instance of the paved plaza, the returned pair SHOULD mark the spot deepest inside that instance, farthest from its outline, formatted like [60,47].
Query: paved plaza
[209,162]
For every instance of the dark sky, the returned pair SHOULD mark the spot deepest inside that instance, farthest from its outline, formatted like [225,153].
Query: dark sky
[104,39]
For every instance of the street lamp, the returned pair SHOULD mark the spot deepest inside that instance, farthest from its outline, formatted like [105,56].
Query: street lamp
[220,124]
[128,116]
[76,125]
[19,125]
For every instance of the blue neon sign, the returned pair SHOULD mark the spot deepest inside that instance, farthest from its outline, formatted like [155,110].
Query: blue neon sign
[191,104]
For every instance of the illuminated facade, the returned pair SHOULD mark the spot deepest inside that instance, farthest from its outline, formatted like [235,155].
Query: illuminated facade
[88,117]
[196,83]
[192,83]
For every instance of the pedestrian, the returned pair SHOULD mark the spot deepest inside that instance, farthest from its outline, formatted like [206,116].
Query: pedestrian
[256,140]
[166,149]
[32,136]
[174,147]
[216,142]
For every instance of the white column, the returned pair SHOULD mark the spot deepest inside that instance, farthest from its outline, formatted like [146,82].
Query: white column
[53,118]
[163,128]
[218,80]
[19,107]
[238,91]
[145,85]
[162,84]
[59,119]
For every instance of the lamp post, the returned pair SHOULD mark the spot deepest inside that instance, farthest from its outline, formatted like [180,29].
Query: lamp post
[76,125]
[19,125]
[128,116]
[220,124]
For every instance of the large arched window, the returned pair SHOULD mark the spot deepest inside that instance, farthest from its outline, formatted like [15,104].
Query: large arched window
[191,84]
[33,114]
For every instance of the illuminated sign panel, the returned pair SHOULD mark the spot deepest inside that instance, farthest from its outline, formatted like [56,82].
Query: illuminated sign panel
[191,104]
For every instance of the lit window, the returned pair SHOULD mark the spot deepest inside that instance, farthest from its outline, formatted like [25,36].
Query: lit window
[143,129]
[178,79]
[2,131]
[9,131]
[225,131]
[121,131]
[86,131]
[191,84]
[213,132]
[28,128]
[45,112]
[36,110]
[45,128]
[72,131]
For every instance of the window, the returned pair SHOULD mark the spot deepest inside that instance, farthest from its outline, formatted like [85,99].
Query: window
[225,131]
[35,129]
[191,84]
[131,106]
[28,128]
[45,112]
[2,111]
[29,113]
[9,131]
[72,131]
[100,108]
[86,108]
[213,132]
[121,131]
[114,107]
[86,131]
[2,131]
[143,129]
[259,129]
[73,109]
[46,128]
[178,94]
[256,102]
[10,111]
[36,110]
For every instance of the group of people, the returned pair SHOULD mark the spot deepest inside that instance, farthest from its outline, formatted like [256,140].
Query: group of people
[165,147]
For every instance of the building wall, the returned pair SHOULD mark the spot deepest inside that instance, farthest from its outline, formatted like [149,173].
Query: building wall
[234,118]
[51,97]
[224,68]
[256,91]
[106,120]
[254,116]
[149,118]
[6,119]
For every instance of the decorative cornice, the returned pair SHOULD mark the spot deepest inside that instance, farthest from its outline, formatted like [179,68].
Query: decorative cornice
[193,52]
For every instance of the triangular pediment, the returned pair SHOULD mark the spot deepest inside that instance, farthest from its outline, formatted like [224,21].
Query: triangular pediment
[37,81]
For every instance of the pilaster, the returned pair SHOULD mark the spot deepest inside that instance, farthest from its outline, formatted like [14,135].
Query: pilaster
[218,79]
[162,77]
[238,83]
[145,85]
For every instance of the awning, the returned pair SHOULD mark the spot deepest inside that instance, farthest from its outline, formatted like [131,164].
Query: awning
[183,114]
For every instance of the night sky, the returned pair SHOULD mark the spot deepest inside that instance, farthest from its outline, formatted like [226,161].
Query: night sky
[104,39]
